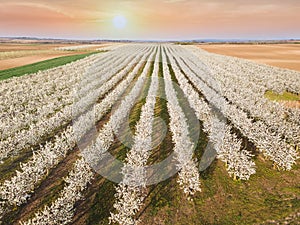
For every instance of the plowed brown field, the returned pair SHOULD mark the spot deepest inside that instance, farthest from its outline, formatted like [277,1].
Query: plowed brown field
[280,55]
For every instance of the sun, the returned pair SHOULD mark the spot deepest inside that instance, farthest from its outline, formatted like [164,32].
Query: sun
[119,22]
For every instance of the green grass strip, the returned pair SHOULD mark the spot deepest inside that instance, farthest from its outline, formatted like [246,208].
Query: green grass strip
[286,96]
[39,66]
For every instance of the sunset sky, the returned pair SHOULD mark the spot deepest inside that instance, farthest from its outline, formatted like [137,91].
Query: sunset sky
[151,19]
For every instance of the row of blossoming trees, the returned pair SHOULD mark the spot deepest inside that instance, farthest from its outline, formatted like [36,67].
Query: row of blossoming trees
[51,113]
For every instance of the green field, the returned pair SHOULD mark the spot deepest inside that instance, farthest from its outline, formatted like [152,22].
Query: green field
[39,66]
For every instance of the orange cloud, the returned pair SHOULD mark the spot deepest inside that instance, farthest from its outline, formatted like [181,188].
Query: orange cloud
[152,18]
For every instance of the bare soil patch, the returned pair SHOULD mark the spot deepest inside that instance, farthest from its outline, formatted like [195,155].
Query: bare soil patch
[292,104]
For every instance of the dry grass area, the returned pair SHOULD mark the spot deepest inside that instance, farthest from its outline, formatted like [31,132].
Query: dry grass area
[7,47]
[280,55]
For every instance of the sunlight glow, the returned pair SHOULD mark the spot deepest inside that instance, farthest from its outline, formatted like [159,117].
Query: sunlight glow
[119,22]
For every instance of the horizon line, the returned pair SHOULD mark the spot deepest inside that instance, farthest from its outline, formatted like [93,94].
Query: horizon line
[152,40]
